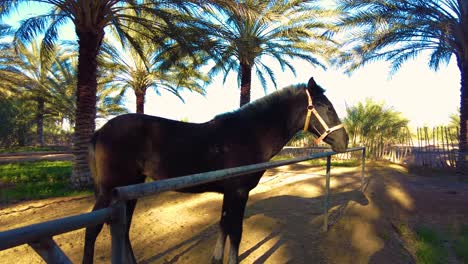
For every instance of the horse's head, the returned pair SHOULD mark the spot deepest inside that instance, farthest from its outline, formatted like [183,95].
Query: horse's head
[322,119]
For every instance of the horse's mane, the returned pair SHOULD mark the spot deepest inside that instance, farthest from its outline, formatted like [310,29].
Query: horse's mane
[266,101]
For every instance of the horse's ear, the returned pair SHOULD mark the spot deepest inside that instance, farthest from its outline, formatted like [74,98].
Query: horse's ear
[312,86]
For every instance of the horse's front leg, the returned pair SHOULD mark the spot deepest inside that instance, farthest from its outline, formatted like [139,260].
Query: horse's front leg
[231,225]
[218,252]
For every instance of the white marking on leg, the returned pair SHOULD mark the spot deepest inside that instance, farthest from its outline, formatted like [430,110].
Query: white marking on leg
[218,252]
[233,253]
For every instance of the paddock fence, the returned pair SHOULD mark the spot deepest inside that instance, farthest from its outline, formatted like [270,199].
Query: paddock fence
[40,236]
[435,147]
[291,152]
[428,147]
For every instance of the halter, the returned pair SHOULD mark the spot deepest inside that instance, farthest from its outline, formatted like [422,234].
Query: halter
[310,110]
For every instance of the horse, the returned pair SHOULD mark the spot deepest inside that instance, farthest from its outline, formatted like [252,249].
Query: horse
[131,147]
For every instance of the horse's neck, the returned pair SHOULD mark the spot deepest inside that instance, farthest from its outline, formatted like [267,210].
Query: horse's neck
[276,125]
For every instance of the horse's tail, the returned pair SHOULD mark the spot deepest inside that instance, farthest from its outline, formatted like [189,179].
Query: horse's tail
[92,161]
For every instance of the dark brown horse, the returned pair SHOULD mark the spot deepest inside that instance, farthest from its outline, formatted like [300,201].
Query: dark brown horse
[131,147]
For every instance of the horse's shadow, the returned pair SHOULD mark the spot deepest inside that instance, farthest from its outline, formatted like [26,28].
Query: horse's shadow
[299,222]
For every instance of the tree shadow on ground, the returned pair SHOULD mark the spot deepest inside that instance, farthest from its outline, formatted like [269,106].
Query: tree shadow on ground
[399,203]
[287,224]
[300,224]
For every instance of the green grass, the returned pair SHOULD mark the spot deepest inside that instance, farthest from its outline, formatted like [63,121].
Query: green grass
[35,180]
[429,244]
[33,149]
[461,244]
[335,163]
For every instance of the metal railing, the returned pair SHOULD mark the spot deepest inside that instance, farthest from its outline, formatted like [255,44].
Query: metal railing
[39,236]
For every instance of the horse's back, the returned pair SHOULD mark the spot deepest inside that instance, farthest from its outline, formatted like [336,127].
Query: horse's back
[128,145]
[131,147]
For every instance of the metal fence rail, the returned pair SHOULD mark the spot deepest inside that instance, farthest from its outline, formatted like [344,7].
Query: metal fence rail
[39,236]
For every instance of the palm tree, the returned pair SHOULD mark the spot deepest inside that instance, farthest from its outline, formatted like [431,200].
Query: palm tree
[49,82]
[398,30]
[374,125]
[455,119]
[27,72]
[9,75]
[282,30]
[90,18]
[142,70]
[61,86]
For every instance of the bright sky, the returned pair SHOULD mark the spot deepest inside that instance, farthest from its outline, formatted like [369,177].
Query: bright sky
[423,96]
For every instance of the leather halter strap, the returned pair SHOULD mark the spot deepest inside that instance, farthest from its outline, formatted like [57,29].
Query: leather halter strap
[311,110]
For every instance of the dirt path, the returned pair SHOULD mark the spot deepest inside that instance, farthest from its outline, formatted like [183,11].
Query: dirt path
[282,223]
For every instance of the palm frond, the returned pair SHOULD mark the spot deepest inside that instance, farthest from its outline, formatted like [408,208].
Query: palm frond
[399,30]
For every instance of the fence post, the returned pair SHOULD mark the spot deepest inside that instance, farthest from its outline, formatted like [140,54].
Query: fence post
[118,229]
[49,251]
[327,196]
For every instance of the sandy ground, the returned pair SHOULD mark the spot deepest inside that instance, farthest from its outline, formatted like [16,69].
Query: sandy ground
[283,219]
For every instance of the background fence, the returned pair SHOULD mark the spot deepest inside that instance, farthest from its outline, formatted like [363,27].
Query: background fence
[435,147]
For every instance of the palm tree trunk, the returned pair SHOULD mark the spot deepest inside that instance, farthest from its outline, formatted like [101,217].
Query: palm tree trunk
[140,101]
[40,121]
[246,80]
[89,44]
[462,163]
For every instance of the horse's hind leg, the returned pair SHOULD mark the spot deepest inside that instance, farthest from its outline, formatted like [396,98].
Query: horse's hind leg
[130,209]
[102,201]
